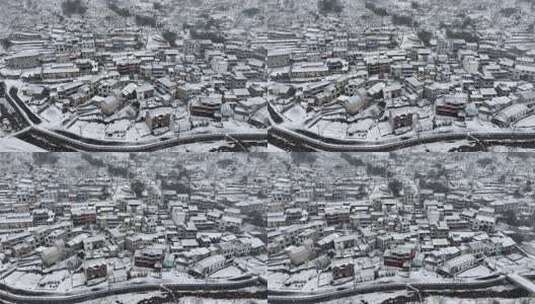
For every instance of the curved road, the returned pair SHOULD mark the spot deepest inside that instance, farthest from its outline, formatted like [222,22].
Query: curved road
[76,143]
[91,145]
[302,141]
[28,296]
[275,135]
[284,297]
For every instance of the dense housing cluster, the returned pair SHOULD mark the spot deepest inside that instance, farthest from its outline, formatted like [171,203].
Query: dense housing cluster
[123,224]
[386,71]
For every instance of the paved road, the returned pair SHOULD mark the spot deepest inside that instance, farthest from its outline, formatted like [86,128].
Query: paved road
[76,143]
[280,298]
[36,297]
[308,142]
[278,136]
[292,297]
[21,108]
[72,142]
[522,281]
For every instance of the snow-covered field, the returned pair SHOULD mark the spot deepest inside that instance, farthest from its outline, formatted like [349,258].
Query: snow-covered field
[370,298]
[12,144]
[53,116]
[193,300]
[475,272]
[528,122]
[441,300]
[23,280]
[229,272]
[126,299]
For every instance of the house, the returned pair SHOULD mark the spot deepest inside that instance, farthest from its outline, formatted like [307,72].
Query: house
[309,70]
[230,223]
[106,87]
[337,216]
[497,103]
[129,91]
[128,66]
[83,216]
[209,265]
[186,91]
[93,243]
[206,106]
[458,264]
[380,65]
[524,72]
[414,85]
[166,86]
[60,71]
[95,270]
[398,256]
[24,60]
[392,91]
[144,91]
[451,106]
[234,248]
[402,120]
[344,242]
[527,97]
[484,223]
[68,89]
[149,258]
[159,120]
[276,58]
[511,114]
[343,268]
[133,243]
[235,81]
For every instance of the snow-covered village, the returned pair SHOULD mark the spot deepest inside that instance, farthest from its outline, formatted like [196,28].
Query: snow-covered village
[277,75]
[266,228]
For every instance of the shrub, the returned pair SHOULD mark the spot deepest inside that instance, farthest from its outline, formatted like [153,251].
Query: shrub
[73,7]
[145,21]
[170,37]
[330,7]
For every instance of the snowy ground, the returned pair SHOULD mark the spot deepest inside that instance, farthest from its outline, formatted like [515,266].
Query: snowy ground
[52,116]
[276,280]
[437,147]
[301,280]
[23,280]
[506,149]
[192,300]
[272,148]
[91,130]
[256,265]
[125,299]
[324,280]
[528,122]
[140,131]
[442,300]
[373,131]
[307,280]
[228,272]
[61,281]
[197,147]
[16,145]
[137,297]
[371,298]
[479,271]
